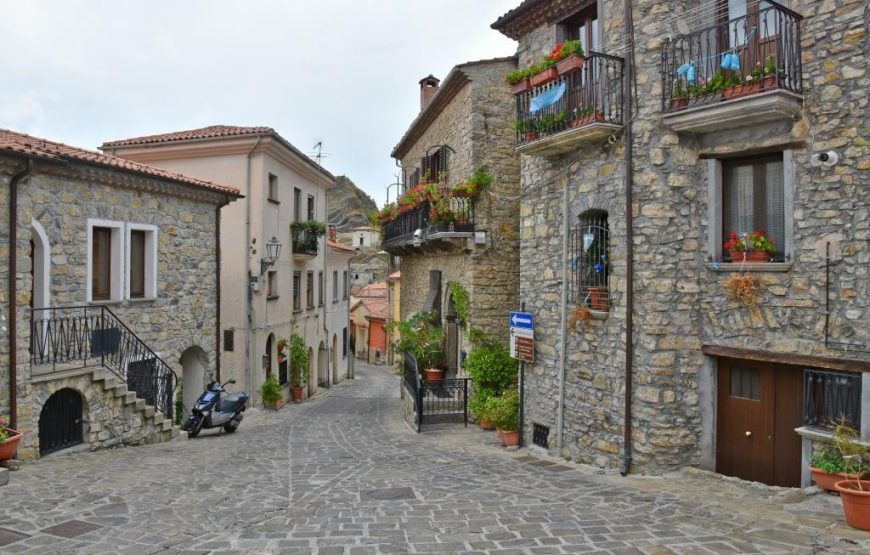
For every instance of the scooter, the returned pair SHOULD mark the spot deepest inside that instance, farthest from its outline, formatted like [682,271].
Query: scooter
[212,411]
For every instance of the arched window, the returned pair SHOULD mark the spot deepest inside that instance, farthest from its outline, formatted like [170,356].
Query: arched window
[590,261]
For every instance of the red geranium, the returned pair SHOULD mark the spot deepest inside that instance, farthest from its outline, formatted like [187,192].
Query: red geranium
[556,52]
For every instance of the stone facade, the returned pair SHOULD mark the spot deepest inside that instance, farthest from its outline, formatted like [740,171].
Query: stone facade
[679,305]
[477,124]
[181,317]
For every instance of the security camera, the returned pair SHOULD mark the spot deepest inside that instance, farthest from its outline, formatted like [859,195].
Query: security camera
[418,237]
[827,159]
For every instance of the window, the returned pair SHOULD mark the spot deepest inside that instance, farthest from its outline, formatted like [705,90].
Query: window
[297,208]
[310,208]
[141,261]
[746,383]
[435,164]
[297,301]
[583,26]
[590,263]
[272,284]
[319,288]
[229,337]
[105,261]
[273,188]
[830,395]
[361,241]
[335,286]
[414,179]
[753,198]
[101,273]
[344,342]
[344,285]
[309,289]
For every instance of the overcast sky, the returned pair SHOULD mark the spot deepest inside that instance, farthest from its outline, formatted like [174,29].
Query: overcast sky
[341,71]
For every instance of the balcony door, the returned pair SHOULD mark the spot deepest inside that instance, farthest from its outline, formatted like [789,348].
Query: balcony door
[583,26]
[750,28]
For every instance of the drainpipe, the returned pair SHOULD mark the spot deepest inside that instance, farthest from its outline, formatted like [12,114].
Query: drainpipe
[249,293]
[629,240]
[217,265]
[13,292]
[563,328]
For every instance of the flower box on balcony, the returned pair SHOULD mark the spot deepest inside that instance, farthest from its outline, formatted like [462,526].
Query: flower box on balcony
[544,77]
[587,118]
[571,63]
[521,87]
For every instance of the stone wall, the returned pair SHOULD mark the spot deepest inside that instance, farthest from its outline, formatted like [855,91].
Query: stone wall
[679,304]
[183,314]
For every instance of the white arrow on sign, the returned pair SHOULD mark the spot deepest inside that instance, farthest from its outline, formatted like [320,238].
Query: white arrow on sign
[516,319]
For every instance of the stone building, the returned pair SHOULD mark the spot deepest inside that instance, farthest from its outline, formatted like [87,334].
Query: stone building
[464,124]
[744,116]
[112,294]
[265,298]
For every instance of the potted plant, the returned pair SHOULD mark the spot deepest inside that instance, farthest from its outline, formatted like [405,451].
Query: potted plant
[506,418]
[272,395]
[518,79]
[755,248]
[282,350]
[569,56]
[424,338]
[771,72]
[741,288]
[679,95]
[300,372]
[528,130]
[9,440]
[828,468]
[598,298]
[543,72]
[318,229]
[854,492]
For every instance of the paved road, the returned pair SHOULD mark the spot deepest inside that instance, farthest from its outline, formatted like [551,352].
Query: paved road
[299,481]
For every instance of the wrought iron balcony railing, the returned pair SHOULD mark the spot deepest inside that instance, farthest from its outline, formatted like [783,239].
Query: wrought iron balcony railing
[592,94]
[831,396]
[426,222]
[305,243]
[754,53]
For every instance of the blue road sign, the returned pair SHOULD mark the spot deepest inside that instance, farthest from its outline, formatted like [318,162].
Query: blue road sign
[522,320]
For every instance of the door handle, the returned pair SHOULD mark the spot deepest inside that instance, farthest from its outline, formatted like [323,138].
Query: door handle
[748,433]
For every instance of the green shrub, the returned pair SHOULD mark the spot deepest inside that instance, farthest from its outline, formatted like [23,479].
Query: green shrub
[422,337]
[271,390]
[300,371]
[491,368]
[830,460]
[506,411]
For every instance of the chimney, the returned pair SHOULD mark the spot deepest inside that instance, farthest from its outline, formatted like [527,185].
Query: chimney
[428,88]
[332,233]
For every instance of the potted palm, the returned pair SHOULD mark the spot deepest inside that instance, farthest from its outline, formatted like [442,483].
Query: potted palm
[271,391]
[854,492]
[300,371]
[9,439]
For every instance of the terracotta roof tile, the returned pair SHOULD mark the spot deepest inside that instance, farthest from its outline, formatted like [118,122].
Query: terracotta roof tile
[339,246]
[210,132]
[21,143]
[377,308]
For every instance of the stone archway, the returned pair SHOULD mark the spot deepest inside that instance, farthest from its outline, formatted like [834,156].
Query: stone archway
[194,365]
[61,421]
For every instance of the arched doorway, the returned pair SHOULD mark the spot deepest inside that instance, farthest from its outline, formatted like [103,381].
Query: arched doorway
[270,348]
[322,366]
[61,421]
[194,363]
[312,377]
[334,358]
[451,338]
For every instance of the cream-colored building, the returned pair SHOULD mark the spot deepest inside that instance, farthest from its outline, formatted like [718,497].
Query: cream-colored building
[261,301]
[361,237]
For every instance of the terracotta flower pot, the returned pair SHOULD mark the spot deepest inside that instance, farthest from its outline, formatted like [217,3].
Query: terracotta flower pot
[856,503]
[544,77]
[569,64]
[275,405]
[598,299]
[825,480]
[296,392]
[521,87]
[433,375]
[769,82]
[10,446]
[510,439]
[486,424]
[679,103]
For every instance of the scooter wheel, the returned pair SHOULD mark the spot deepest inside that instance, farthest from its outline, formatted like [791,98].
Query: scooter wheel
[194,428]
[231,426]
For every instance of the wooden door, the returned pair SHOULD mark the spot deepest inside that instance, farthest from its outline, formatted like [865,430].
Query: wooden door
[745,420]
[788,415]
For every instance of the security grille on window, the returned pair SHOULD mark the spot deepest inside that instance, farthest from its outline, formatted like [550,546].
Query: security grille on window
[830,396]
[590,261]
[229,340]
[540,435]
[297,293]
[753,199]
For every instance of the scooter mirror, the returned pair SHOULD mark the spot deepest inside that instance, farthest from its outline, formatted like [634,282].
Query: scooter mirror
[232,381]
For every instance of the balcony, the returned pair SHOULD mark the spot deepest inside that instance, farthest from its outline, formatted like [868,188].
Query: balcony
[589,109]
[421,229]
[305,243]
[740,72]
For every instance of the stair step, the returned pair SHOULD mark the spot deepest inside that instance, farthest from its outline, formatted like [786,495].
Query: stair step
[149,411]
[174,432]
[140,404]
[129,397]
[166,425]
[120,390]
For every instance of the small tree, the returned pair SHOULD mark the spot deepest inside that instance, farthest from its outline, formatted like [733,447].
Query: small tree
[300,372]
[271,390]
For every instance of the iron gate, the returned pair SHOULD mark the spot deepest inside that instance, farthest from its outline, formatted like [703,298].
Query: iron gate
[436,401]
[60,422]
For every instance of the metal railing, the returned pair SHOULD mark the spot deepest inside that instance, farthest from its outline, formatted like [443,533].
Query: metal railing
[592,94]
[423,218]
[68,338]
[757,52]
[589,245]
[436,401]
[304,242]
[830,396]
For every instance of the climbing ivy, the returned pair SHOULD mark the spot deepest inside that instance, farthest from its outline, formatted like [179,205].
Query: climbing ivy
[460,301]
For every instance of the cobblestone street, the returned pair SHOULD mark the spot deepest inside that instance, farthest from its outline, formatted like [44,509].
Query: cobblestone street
[314,478]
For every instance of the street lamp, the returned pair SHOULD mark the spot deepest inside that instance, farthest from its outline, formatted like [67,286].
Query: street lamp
[273,251]
[396,184]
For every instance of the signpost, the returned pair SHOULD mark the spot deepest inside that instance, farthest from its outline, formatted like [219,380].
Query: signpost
[522,326]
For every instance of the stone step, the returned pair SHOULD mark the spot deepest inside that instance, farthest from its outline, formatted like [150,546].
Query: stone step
[140,404]
[129,397]
[120,390]
[149,411]
[166,425]
[174,432]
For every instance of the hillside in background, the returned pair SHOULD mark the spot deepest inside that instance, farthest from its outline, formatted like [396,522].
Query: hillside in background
[349,206]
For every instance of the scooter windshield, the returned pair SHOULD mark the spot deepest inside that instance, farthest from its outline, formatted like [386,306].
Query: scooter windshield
[208,396]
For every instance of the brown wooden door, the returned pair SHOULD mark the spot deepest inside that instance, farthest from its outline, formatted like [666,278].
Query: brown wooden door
[745,423]
[788,415]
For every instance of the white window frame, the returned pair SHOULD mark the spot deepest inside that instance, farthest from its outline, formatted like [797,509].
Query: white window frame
[116,287]
[150,260]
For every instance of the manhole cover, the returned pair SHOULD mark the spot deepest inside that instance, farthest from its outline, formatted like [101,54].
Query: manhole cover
[10,536]
[388,494]
[71,529]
